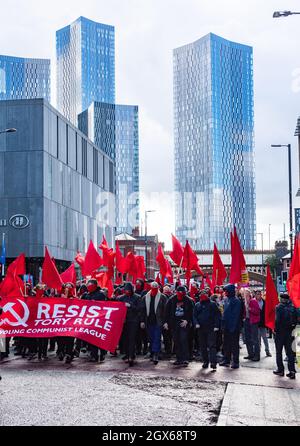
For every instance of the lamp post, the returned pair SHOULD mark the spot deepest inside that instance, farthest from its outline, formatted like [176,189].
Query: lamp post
[8,131]
[146,239]
[290,190]
[262,250]
[278,14]
[2,132]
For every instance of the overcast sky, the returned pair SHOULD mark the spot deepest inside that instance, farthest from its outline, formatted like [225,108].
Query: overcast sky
[146,33]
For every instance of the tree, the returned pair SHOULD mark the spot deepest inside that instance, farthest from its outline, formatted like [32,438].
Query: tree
[274,263]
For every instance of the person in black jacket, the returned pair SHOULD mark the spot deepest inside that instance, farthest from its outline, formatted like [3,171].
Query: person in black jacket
[95,293]
[142,336]
[207,319]
[179,317]
[285,323]
[132,322]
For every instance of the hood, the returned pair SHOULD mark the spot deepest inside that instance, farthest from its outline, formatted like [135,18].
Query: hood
[230,289]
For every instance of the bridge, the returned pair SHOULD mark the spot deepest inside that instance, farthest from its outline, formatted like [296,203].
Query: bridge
[255,261]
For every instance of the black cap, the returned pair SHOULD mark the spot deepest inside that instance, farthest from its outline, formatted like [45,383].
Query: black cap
[284,296]
[129,287]
[181,289]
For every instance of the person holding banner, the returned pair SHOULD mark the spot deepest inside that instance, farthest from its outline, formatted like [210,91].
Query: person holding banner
[132,322]
[95,293]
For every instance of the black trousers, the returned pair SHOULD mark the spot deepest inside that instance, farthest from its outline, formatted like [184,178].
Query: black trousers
[232,346]
[285,340]
[65,345]
[181,341]
[167,338]
[207,341]
[142,341]
[129,335]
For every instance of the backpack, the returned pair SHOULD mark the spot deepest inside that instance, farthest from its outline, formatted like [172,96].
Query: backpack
[289,317]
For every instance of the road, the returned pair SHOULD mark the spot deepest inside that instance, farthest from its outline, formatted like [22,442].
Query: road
[111,394]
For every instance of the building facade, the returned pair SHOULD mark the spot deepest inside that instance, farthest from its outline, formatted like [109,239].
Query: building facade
[22,78]
[115,128]
[214,143]
[57,188]
[85,56]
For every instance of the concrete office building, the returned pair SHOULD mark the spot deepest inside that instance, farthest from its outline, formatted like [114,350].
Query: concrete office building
[57,189]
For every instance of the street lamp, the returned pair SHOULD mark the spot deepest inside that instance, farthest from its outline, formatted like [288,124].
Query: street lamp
[290,191]
[146,238]
[278,14]
[8,131]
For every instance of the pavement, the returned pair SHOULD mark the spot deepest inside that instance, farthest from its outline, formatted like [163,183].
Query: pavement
[112,394]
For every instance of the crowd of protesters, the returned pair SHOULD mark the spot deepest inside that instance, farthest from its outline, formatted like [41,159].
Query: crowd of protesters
[172,321]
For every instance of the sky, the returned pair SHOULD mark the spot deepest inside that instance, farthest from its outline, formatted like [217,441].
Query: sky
[147,31]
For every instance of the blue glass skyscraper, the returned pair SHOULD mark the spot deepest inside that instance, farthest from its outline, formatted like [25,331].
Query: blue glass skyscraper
[85,53]
[22,78]
[115,128]
[214,143]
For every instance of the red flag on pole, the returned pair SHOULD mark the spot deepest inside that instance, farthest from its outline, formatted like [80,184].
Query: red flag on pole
[238,264]
[271,301]
[131,266]
[162,261]
[141,268]
[92,261]
[120,260]
[80,260]
[69,275]
[50,275]
[190,262]
[12,285]
[177,251]
[219,271]
[293,283]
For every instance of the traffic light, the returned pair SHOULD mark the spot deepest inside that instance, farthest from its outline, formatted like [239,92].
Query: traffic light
[284,278]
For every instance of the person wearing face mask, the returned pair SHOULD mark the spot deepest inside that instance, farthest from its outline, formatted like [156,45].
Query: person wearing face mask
[167,334]
[132,322]
[232,322]
[207,320]
[142,336]
[65,344]
[152,318]
[94,293]
[179,317]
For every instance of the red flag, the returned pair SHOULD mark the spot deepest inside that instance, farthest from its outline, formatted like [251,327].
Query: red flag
[131,266]
[50,275]
[271,301]
[69,275]
[177,252]
[141,268]
[104,281]
[293,283]
[238,263]
[162,261]
[209,282]
[169,274]
[80,260]
[158,280]
[190,262]
[12,285]
[219,271]
[120,260]
[92,261]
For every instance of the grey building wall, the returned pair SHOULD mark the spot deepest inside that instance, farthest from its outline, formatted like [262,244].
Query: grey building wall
[51,173]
